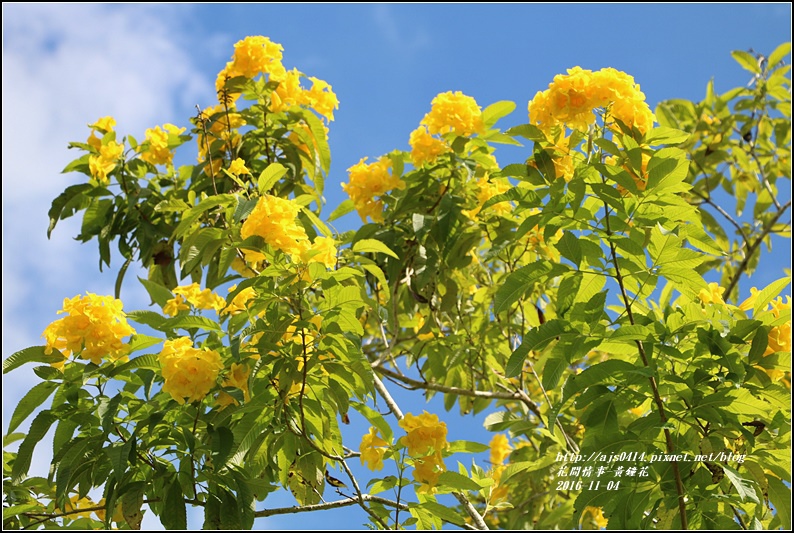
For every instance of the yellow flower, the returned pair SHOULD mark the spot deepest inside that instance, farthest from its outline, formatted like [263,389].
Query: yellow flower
[368,181]
[94,327]
[238,378]
[749,303]
[321,98]
[105,124]
[201,299]
[239,266]
[256,54]
[779,339]
[426,435]
[189,373]
[173,306]
[323,250]
[274,219]
[372,450]
[103,164]
[425,148]
[240,302]
[75,503]
[500,449]
[158,152]
[571,98]
[713,295]
[453,112]
[419,325]
[596,515]
[238,167]
[288,93]
[485,191]
[426,471]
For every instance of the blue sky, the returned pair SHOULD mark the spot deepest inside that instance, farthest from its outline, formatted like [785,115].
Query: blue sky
[64,66]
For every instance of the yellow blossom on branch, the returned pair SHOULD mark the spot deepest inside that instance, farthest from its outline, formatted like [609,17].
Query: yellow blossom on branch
[173,306]
[200,299]
[238,167]
[94,328]
[240,302]
[158,152]
[454,112]
[368,181]
[425,148]
[103,164]
[712,295]
[426,434]
[275,220]
[372,450]
[571,98]
[189,372]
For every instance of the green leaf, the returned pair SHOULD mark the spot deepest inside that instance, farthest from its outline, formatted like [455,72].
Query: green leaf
[570,249]
[33,354]
[159,294]
[766,295]
[191,322]
[610,370]
[372,245]
[318,131]
[189,217]
[38,428]
[272,173]
[444,513]
[746,60]
[174,514]
[534,339]
[497,110]
[664,135]
[374,418]
[780,497]
[148,360]
[466,446]
[552,371]
[778,55]
[744,488]
[520,281]
[319,224]
[341,210]
[528,131]
[457,481]
[141,342]
[34,398]
[148,318]
[70,196]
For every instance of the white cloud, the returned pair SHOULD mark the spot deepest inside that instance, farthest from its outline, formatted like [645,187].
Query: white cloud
[407,43]
[64,67]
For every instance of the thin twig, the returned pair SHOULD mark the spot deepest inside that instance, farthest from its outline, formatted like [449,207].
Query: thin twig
[330,505]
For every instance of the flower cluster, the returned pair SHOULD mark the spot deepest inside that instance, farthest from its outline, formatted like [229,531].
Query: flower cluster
[158,152]
[192,294]
[94,327]
[189,372]
[500,451]
[596,516]
[426,440]
[259,55]
[368,181]
[449,113]
[779,339]
[571,98]
[372,450]
[107,153]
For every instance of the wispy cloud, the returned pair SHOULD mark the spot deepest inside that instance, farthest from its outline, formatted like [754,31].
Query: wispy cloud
[406,39]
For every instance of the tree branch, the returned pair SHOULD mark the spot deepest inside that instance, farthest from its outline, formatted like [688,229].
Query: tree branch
[330,505]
